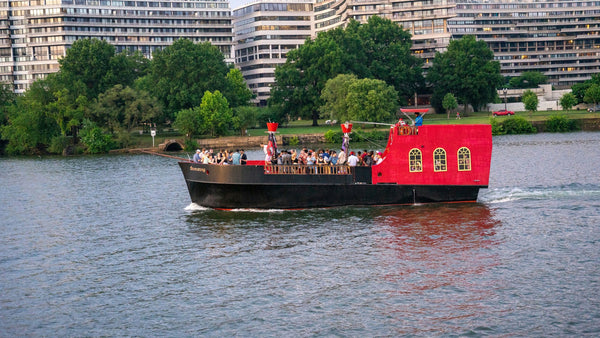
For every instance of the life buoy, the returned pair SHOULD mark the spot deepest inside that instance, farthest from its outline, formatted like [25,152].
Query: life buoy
[406,130]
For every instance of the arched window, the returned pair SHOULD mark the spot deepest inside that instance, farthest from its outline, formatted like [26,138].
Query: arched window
[464,159]
[415,161]
[439,160]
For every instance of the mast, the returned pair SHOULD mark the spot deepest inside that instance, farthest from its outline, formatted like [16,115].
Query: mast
[347,130]
[272,144]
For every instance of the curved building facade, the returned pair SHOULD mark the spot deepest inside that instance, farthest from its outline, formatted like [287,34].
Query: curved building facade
[264,32]
[560,39]
[34,34]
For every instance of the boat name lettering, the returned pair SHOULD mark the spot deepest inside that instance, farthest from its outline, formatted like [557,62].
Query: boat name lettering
[202,170]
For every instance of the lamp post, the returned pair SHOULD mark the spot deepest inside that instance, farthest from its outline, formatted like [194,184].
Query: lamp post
[505,90]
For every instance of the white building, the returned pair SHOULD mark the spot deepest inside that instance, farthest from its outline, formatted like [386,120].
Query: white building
[265,31]
[34,34]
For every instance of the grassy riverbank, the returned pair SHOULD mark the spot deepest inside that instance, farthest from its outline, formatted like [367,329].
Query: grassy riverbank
[305,126]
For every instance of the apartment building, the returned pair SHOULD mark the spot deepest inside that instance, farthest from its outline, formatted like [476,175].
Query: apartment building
[265,31]
[34,34]
[426,20]
[560,39]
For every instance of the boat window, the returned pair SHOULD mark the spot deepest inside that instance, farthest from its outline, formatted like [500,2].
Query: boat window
[415,160]
[464,159]
[439,160]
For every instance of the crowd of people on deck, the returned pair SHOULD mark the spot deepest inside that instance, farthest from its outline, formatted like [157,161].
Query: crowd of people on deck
[208,156]
[327,157]
[320,157]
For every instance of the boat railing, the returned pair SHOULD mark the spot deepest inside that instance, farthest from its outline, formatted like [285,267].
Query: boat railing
[301,169]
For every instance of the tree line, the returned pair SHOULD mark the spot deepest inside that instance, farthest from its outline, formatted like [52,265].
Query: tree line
[98,97]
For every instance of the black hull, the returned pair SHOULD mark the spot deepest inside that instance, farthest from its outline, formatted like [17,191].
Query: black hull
[235,187]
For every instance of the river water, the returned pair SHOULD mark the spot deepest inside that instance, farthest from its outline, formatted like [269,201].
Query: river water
[111,246]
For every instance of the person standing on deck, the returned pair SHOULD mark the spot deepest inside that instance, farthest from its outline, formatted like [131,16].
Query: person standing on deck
[419,119]
[197,156]
[236,157]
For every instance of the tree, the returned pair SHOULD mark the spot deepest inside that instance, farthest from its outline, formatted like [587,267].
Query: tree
[466,69]
[181,73]
[124,107]
[592,95]
[87,68]
[215,112]
[245,117]
[29,130]
[579,89]
[371,100]
[530,100]
[567,101]
[188,121]
[238,93]
[449,103]
[528,80]
[334,96]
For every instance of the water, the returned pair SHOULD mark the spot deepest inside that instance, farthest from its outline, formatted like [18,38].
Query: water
[110,246]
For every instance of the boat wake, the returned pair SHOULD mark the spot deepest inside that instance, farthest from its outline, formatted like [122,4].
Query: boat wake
[195,207]
[511,194]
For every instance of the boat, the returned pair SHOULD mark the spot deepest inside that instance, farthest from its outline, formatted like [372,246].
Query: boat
[424,164]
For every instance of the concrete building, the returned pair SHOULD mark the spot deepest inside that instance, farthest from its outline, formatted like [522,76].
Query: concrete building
[426,20]
[265,31]
[560,39]
[34,34]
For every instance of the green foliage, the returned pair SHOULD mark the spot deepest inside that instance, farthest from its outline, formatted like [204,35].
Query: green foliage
[181,73]
[579,89]
[59,143]
[95,139]
[270,114]
[528,80]
[189,122]
[334,96]
[497,128]
[245,117]
[124,107]
[29,130]
[238,93]
[466,69]
[567,101]
[530,100]
[560,124]
[592,94]
[216,114]
[293,141]
[449,103]
[371,100]
[190,145]
[333,136]
[91,67]
[518,125]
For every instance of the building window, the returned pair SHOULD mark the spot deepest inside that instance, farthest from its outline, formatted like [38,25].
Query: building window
[415,161]
[464,159]
[439,160]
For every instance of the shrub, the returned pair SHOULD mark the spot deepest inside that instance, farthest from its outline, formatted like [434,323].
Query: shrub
[95,140]
[518,125]
[293,141]
[333,136]
[191,145]
[560,124]
[58,144]
[497,128]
